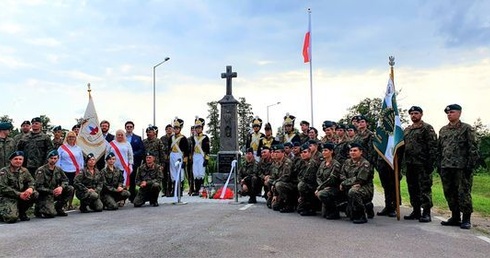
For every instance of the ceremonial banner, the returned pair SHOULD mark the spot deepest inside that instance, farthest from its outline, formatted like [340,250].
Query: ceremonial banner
[389,133]
[90,138]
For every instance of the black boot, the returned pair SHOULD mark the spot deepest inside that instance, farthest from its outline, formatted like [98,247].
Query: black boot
[455,220]
[466,223]
[23,217]
[360,217]
[425,216]
[369,210]
[414,215]
[252,199]
[387,211]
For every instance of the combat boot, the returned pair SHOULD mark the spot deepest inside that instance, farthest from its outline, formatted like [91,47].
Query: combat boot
[333,215]
[252,199]
[466,223]
[24,217]
[455,220]
[414,215]
[360,218]
[369,210]
[61,213]
[425,216]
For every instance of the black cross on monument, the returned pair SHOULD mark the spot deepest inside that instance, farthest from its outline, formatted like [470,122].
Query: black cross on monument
[229,75]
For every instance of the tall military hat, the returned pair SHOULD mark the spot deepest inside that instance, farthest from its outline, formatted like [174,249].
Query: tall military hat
[452,107]
[178,122]
[327,124]
[268,126]
[257,122]
[6,126]
[199,122]
[289,119]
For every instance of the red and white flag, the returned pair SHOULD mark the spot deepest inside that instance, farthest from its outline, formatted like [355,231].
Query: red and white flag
[90,137]
[306,48]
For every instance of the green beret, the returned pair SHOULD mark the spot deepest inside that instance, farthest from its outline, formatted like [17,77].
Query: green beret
[355,145]
[6,126]
[329,146]
[279,146]
[36,119]
[15,154]
[110,155]
[452,107]
[52,153]
[151,153]
[305,147]
[89,156]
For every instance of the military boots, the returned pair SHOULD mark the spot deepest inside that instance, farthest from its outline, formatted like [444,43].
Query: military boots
[425,216]
[466,224]
[414,215]
[455,220]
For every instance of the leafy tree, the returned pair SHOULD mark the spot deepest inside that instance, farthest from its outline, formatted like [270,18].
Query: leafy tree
[483,140]
[371,109]
[245,116]
[213,124]
[47,127]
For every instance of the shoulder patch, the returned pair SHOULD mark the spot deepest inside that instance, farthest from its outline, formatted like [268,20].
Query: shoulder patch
[39,172]
[2,173]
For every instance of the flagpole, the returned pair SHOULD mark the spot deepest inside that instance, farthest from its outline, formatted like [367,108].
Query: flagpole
[89,90]
[395,158]
[311,69]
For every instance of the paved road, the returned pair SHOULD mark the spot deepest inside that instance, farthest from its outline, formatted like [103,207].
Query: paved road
[212,228]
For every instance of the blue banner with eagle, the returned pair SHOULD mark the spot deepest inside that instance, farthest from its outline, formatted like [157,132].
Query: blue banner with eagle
[389,133]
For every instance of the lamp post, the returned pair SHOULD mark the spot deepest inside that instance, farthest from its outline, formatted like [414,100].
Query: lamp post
[154,90]
[269,107]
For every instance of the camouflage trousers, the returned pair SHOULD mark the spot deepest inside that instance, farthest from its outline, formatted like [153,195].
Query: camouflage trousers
[457,184]
[13,208]
[419,181]
[110,199]
[148,193]
[90,199]
[285,194]
[46,205]
[330,197]
[357,197]
[307,200]
[254,185]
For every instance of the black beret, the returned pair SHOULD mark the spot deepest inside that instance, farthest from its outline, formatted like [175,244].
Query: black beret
[415,108]
[75,127]
[89,156]
[296,144]
[304,123]
[312,141]
[150,128]
[305,147]
[249,150]
[355,145]
[6,126]
[15,154]
[151,153]
[355,118]
[361,117]
[452,107]
[27,122]
[327,124]
[52,153]
[110,155]
[36,119]
[341,126]
[353,127]
[265,148]
[57,128]
[288,144]
[278,147]
[329,145]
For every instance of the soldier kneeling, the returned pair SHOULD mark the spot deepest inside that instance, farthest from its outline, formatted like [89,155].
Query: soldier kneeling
[113,194]
[52,185]
[88,184]
[148,178]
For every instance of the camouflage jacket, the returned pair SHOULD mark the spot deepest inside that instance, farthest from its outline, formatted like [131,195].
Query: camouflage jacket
[457,146]
[342,149]
[47,180]
[155,146]
[420,145]
[165,141]
[281,171]
[35,148]
[86,180]
[359,172]
[7,146]
[248,169]
[307,175]
[365,138]
[112,179]
[13,183]
[328,175]
[149,174]
[264,168]
[298,165]
[57,143]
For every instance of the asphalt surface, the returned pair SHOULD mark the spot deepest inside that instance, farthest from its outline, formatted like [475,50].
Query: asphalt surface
[225,228]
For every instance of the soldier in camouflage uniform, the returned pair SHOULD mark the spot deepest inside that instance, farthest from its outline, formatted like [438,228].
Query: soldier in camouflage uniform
[166,182]
[305,131]
[328,180]
[458,155]
[52,185]
[328,128]
[307,202]
[57,137]
[248,177]
[148,178]
[25,128]
[280,181]
[351,132]
[420,153]
[342,144]
[17,192]
[7,144]
[35,146]
[88,185]
[153,144]
[315,148]
[357,182]
[264,168]
[113,194]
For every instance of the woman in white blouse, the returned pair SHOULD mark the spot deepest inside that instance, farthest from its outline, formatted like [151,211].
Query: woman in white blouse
[124,154]
[70,159]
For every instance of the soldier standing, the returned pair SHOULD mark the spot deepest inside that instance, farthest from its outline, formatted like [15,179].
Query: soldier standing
[254,138]
[153,144]
[25,128]
[458,155]
[17,192]
[35,146]
[189,165]
[88,185]
[178,150]
[357,183]
[249,180]
[57,137]
[113,194]
[342,144]
[148,178]
[328,180]
[52,185]
[307,183]
[200,154]
[420,153]
[289,135]
[268,140]
[7,144]
[166,183]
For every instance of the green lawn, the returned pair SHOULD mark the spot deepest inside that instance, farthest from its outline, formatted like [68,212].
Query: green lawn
[480,193]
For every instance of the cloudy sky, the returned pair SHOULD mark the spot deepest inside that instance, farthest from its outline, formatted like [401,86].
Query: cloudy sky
[50,50]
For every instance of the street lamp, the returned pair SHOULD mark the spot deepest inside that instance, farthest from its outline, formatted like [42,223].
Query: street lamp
[154,93]
[269,107]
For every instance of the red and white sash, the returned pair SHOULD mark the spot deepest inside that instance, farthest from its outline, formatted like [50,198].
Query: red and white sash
[73,159]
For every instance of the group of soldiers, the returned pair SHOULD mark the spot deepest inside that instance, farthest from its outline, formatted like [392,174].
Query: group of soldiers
[30,175]
[299,172]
